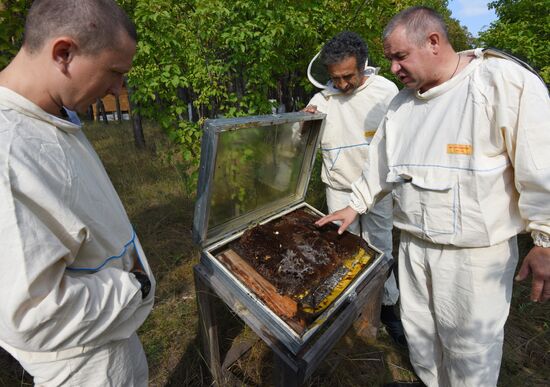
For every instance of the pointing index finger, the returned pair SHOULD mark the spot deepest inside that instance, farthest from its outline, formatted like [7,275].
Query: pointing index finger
[324,220]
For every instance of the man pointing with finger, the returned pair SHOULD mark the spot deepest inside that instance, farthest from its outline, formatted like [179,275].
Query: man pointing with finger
[355,100]
[463,151]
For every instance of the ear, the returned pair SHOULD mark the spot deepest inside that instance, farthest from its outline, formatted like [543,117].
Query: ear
[434,41]
[63,52]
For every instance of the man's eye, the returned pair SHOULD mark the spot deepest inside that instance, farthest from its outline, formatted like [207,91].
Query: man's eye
[344,77]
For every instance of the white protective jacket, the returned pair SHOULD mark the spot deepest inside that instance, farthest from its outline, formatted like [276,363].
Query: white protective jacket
[349,126]
[66,243]
[467,161]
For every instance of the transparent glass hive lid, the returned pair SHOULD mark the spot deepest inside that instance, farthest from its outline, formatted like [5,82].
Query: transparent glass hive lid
[251,168]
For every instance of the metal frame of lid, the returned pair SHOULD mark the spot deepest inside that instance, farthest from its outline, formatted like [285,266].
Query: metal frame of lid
[205,235]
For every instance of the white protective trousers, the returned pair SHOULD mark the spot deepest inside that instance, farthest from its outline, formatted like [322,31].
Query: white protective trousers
[454,303]
[375,227]
[118,364]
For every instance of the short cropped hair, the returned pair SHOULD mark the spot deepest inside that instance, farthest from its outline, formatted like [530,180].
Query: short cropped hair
[94,24]
[418,23]
[344,45]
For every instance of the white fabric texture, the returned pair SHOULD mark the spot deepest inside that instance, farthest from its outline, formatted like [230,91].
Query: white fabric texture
[117,364]
[348,128]
[66,241]
[374,227]
[454,303]
[467,161]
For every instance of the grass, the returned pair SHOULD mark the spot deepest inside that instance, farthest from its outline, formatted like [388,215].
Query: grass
[161,210]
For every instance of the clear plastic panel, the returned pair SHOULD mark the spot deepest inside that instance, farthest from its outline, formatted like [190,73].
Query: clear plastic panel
[257,166]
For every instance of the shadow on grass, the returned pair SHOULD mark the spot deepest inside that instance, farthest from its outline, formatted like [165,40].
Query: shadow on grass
[11,373]
[353,361]
[166,238]
[192,368]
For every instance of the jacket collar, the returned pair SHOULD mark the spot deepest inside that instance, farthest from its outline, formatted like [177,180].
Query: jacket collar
[11,100]
[447,85]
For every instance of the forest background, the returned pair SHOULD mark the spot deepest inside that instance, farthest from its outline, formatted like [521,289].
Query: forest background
[206,59]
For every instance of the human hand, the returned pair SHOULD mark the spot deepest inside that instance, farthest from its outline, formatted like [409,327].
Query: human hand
[346,215]
[537,262]
[310,109]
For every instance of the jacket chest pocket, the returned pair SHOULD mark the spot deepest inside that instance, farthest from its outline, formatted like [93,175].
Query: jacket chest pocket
[431,209]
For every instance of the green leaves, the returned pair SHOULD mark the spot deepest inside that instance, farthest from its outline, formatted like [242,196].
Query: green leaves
[210,58]
[12,22]
[230,57]
[522,29]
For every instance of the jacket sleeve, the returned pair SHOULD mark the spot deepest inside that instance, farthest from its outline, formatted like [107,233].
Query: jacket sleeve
[44,307]
[371,185]
[523,110]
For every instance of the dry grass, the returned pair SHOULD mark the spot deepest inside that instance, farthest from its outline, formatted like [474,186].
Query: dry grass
[161,211]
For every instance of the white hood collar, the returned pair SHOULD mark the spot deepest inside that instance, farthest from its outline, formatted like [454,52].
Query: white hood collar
[328,88]
[12,100]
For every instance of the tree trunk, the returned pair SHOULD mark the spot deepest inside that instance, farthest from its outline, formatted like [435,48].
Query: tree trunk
[118,112]
[100,109]
[90,113]
[139,138]
[97,110]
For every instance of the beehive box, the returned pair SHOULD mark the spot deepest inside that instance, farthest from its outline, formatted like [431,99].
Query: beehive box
[257,233]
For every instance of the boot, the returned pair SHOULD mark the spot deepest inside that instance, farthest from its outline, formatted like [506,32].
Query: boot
[393,325]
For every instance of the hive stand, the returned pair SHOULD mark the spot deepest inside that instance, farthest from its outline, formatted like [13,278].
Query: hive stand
[361,311]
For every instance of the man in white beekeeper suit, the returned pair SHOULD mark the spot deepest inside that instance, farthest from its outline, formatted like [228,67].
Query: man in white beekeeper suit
[355,100]
[75,283]
[464,152]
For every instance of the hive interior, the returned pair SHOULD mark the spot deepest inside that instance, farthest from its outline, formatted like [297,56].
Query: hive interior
[295,267]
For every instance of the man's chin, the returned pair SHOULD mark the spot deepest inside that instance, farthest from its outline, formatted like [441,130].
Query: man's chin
[409,83]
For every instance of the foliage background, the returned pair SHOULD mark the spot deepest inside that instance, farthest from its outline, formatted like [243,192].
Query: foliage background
[201,59]
[522,29]
[12,22]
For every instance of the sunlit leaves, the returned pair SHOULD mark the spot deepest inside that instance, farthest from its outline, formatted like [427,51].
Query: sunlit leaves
[522,29]
[12,21]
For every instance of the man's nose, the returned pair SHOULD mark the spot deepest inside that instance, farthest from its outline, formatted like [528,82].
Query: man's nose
[341,83]
[395,67]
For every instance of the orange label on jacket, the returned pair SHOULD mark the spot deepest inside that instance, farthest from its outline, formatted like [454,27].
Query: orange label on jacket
[370,133]
[459,149]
